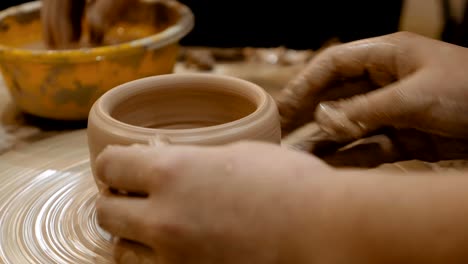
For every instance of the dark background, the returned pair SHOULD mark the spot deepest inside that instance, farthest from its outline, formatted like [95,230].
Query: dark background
[293,23]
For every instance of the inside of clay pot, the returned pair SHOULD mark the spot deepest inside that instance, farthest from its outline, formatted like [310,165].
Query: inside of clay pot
[185,108]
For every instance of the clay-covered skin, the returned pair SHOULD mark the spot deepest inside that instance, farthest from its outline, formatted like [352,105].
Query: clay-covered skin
[259,203]
[402,81]
[62,20]
[190,223]
[424,85]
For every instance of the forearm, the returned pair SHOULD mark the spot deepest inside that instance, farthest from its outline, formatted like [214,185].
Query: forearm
[402,219]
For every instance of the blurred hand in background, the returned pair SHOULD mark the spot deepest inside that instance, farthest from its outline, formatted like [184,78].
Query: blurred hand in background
[62,20]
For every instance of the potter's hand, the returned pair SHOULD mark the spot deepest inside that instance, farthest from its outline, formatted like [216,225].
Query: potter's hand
[62,19]
[423,85]
[257,203]
[230,204]
[61,22]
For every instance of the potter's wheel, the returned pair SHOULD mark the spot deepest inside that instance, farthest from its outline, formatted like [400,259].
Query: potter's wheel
[47,196]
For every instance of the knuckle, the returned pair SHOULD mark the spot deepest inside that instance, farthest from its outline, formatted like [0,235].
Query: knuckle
[332,52]
[323,58]
[106,155]
[166,166]
[241,146]
[336,49]
[404,34]
[330,59]
[236,153]
[102,162]
[155,173]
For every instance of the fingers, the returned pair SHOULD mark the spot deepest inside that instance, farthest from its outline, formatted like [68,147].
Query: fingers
[45,21]
[132,169]
[126,252]
[124,217]
[61,22]
[366,153]
[342,89]
[395,105]
[377,59]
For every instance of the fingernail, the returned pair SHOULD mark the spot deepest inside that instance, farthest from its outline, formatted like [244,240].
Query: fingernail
[325,115]
[334,121]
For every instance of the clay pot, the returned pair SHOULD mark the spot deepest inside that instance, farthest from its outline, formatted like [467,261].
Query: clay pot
[194,109]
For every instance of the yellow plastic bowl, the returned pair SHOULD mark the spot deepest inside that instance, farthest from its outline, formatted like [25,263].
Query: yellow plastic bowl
[64,84]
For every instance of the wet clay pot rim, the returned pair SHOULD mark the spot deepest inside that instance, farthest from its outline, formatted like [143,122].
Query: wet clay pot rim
[264,104]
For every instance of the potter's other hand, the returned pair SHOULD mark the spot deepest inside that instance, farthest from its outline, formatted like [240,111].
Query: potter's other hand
[230,204]
[404,81]
[62,19]
[61,22]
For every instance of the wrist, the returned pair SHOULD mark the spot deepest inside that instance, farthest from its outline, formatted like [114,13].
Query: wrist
[384,218]
[319,229]
[338,219]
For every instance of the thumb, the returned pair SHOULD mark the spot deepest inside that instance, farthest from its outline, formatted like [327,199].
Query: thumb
[397,105]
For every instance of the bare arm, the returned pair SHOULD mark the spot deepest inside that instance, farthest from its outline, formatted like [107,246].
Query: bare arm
[258,203]
[384,218]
